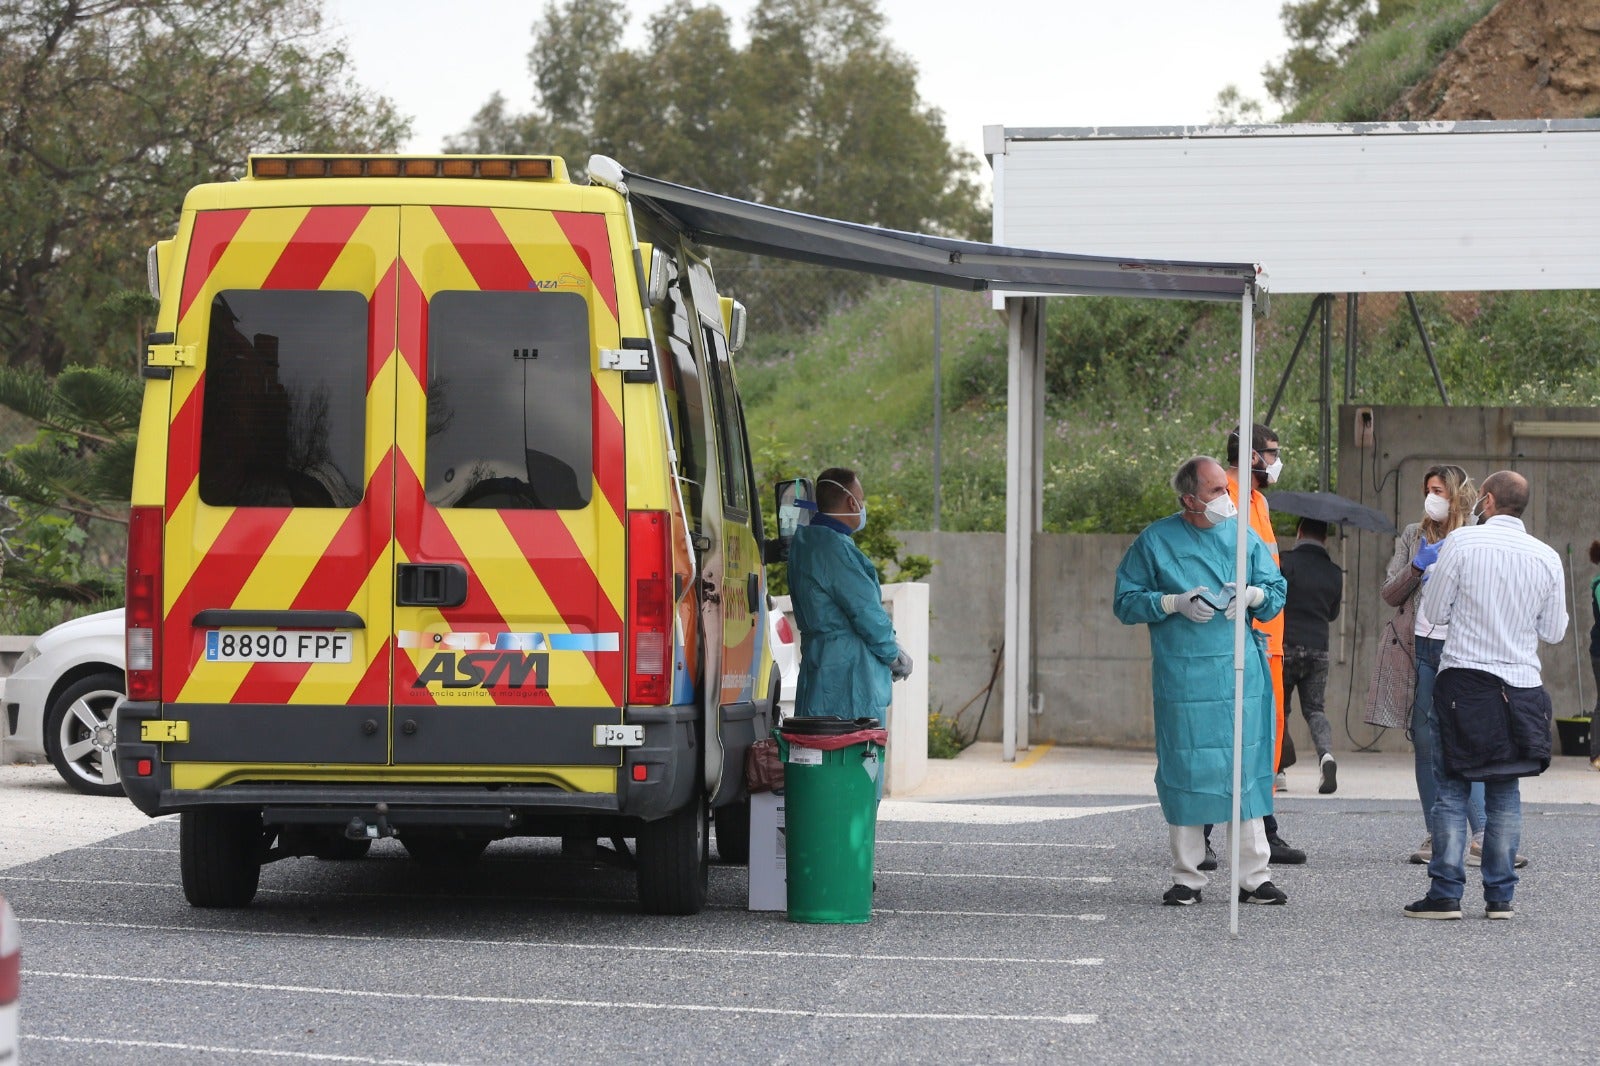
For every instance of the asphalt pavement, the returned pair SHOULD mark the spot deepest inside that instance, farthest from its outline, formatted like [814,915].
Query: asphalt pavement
[1017,919]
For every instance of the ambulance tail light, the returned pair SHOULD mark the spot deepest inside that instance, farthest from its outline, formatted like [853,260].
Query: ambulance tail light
[649,626]
[145,526]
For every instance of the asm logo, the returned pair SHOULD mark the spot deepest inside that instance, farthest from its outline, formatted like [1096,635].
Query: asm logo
[486,669]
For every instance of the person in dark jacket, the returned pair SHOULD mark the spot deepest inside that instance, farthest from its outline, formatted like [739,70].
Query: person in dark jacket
[1501,592]
[1316,586]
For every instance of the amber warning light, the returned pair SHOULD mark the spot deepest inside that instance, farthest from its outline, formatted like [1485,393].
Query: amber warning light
[449,166]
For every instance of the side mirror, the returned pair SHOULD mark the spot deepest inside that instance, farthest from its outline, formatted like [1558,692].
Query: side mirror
[796,503]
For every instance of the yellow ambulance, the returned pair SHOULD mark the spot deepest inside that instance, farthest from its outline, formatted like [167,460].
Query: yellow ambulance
[444,526]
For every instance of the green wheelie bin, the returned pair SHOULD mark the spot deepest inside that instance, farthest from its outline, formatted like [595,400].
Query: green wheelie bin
[832,770]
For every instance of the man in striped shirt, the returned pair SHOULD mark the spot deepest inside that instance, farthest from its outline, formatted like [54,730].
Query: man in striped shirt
[1501,591]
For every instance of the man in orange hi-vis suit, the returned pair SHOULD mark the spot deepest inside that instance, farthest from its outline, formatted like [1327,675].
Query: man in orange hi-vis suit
[1265,466]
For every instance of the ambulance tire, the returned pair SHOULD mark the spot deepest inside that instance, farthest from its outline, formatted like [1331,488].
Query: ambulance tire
[219,853]
[673,856]
[733,832]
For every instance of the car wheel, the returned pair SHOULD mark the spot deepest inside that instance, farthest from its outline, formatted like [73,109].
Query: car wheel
[674,862]
[220,851]
[80,732]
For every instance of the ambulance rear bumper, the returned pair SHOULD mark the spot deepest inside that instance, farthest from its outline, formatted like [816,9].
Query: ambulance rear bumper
[654,780]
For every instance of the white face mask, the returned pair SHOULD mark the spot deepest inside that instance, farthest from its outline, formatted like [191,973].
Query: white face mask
[1221,509]
[1273,470]
[1436,507]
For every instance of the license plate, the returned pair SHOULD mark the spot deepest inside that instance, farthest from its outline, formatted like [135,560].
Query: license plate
[618,736]
[278,646]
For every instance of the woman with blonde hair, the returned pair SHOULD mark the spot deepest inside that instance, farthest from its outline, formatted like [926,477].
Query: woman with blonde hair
[1408,656]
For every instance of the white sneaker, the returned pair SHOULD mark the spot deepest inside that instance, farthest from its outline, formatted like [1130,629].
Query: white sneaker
[1330,775]
[1280,783]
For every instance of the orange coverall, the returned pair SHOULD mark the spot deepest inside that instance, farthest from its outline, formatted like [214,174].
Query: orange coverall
[1261,522]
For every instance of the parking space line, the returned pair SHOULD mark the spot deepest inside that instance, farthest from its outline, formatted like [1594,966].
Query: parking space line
[212,1049]
[991,914]
[990,813]
[984,844]
[560,945]
[581,1004]
[119,847]
[994,877]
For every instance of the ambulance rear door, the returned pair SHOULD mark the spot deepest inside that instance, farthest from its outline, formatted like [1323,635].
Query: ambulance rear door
[277,544]
[509,483]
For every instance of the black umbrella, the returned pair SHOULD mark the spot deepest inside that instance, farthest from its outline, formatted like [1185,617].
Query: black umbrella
[1331,507]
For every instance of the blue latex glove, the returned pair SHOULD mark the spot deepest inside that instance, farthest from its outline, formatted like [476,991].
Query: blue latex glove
[1427,554]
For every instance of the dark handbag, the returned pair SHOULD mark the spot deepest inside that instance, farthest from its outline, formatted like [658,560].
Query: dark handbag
[763,768]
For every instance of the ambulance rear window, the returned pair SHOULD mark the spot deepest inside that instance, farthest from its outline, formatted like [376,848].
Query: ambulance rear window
[510,424]
[284,417]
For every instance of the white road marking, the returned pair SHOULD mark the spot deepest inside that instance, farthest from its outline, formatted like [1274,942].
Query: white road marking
[991,914]
[982,844]
[587,1004]
[560,945]
[989,813]
[119,847]
[995,877]
[212,1049]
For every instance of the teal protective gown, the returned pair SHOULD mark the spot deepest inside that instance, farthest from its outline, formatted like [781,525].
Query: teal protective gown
[1192,671]
[846,639]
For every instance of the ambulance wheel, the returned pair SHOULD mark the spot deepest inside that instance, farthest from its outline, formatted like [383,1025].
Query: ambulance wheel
[674,862]
[442,850]
[219,852]
[733,832]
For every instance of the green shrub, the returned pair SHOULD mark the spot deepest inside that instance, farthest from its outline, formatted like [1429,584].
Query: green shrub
[944,737]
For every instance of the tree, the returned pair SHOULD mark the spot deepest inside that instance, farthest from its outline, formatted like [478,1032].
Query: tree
[1322,34]
[817,113]
[110,110]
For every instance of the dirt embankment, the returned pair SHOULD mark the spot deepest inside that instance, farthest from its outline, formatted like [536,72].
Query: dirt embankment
[1525,59]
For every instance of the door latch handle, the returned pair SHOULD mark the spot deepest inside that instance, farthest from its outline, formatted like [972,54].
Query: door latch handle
[430,585]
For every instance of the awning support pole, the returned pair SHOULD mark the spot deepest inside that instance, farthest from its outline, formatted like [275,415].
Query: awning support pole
[1427,347]
[1305,331]
[1024,436]
[1241,624]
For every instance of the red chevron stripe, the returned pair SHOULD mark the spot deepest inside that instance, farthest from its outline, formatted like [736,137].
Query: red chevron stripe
[183,446]
[317,242]
[609,445]
[216,582]
[484,247]
[589,239]
[413,327]
[381,322]
[213,231]
[373,688]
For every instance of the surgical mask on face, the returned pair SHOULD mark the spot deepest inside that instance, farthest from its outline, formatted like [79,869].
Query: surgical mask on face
[1220,509]
[1478,517]
[860,519]
[1274,468]
[1436,507]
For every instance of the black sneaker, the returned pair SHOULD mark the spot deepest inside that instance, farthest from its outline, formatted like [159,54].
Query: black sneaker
[1428,907]
[1330,776]
[1499,909]
[1209,863]
[1283,854]
[1180,896]
[1266,894]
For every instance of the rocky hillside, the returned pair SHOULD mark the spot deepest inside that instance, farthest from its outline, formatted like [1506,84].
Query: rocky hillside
[1525,59]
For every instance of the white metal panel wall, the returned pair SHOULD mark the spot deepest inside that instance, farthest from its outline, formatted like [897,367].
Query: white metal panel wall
[1322,208]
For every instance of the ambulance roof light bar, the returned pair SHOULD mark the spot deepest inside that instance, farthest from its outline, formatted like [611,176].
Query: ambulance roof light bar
[523,168]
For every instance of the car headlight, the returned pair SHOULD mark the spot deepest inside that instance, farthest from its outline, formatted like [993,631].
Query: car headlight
[28,656]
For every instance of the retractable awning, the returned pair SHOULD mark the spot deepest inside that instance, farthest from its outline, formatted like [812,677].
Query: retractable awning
[724,222]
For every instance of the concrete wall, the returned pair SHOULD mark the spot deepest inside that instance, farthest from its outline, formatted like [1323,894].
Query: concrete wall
[1093,674]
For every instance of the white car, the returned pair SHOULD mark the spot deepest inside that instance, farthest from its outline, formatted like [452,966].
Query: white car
[785,650]
[61,701]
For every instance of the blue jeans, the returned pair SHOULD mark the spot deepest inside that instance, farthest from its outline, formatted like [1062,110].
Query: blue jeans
[1425,741]
[1502,834]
